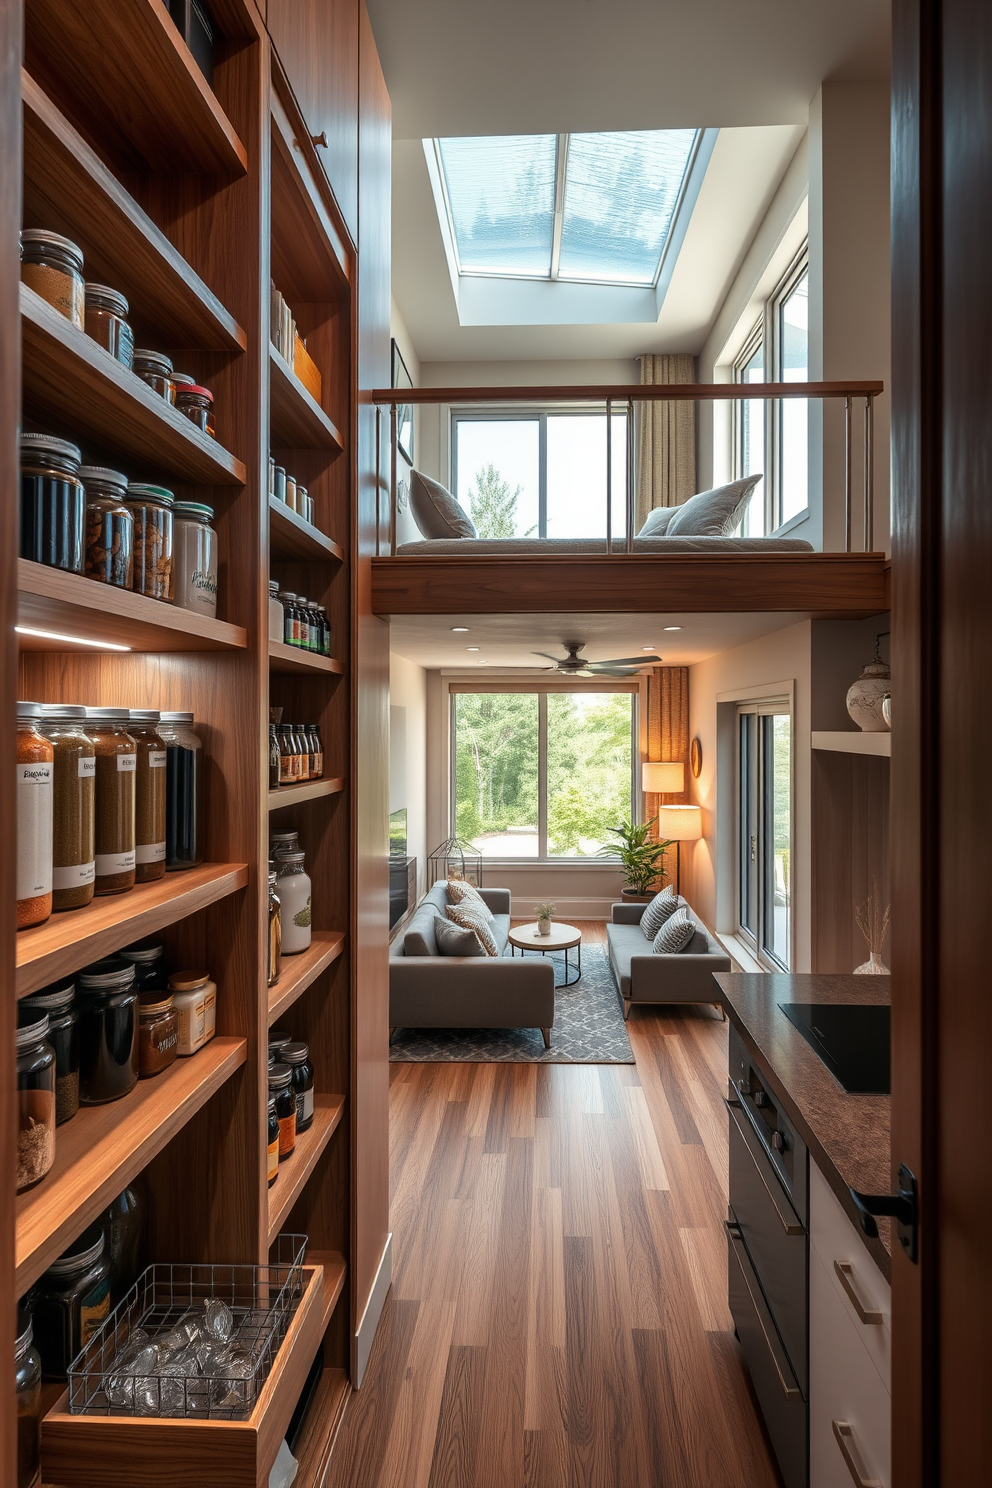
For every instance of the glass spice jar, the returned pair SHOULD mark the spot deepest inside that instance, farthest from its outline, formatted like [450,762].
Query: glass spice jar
[280,1088]
[297,1055]
[275,932]
[106,322]
[291,623]
[184,802]
[154,368]
[74,835]
[27,1388]
[116,771]
[35,813]
[109,527]
[197,403]
[194,997]
[278,1039]
[158,1033]
[294,892]
[149,798]
[148,960]
[275,759]
[57,1002]
[53,267]
[106,1007]
[272,1143]
[35,1102]
[283,842]
[151,508]
[275,612]
[194,559]
[279,483]
[70,1301]
[53,503]
[287,756]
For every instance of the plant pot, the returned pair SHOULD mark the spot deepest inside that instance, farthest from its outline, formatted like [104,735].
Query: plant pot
[544,927]
[633,897]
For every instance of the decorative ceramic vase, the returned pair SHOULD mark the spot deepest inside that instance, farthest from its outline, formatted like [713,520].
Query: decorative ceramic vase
[864,697]
[544,926]
[874,966]
[887,709]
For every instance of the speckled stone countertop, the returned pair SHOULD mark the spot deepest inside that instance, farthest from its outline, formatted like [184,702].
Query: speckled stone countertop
[847,1135]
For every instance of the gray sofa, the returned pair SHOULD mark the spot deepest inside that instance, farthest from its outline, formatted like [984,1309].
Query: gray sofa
[641,976]
[468,991]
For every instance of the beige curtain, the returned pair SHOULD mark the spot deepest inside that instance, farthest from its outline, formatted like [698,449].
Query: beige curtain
[666,454]
[668,737]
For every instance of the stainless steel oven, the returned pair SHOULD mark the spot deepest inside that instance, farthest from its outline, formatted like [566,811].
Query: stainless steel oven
[768,1262]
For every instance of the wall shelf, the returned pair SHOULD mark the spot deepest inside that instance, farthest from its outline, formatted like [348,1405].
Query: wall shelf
[74,938]
[299,972]
[309,790]
[296,1170]
[292,538]
[102,1148]
[847,742]
[296,419]
[76,388]
[288,660]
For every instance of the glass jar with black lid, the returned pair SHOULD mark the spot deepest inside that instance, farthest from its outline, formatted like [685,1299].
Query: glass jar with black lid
[280,1089]
[297,1055]
[27,1388]
[155,368]
[107,1009]
[35,1101]
[272,1143]
[58,1002]
[148,959]
[52,266]
[71,1301]
[184,803]
[53,503]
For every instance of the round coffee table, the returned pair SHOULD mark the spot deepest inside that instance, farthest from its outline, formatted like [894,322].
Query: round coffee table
[525,938]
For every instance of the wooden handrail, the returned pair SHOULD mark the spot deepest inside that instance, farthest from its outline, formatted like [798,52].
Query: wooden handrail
[664,392]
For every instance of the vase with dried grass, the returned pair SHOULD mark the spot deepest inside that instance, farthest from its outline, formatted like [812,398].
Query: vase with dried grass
[873,922]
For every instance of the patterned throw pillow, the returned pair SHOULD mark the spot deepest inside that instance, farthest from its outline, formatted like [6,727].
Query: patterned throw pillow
[456,940]
[675,934]
[471,919]
[460,892]
[661,908]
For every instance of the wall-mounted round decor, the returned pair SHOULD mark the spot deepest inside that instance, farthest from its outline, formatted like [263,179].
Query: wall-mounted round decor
[696,757]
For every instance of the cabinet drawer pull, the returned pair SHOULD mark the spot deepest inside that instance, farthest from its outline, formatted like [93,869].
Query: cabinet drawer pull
[845,1440]
[785,1376]
[845,1276]
[790,1226]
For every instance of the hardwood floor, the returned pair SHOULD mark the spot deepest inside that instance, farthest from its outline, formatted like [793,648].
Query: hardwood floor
[558,1315]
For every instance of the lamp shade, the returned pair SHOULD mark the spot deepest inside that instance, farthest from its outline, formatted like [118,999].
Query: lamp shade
[663,777]
[680,823]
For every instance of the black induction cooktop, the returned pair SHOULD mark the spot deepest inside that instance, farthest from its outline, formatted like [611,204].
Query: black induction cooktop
[851,1039]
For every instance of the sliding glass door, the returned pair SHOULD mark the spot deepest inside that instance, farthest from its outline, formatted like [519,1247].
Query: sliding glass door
[764,817]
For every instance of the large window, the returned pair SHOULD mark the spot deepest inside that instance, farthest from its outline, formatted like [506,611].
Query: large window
[764,777]
[541,774]
[531,473]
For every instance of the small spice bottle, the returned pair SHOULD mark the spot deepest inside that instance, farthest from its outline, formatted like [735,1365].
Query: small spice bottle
[280,1088]
[287,756]
[272,1143]
[35,814]
[148,959]
[290,496]
[57,1003]
[184,803]
[304,506]
[275,759]
[155,369]
[279,482]
[74,847]
[35,1102]
[194,558]
[53,503]
[107,1010]
[325,631]
[151,508]
[106,322]
[158,1033]
[290,620]
[109,527]
[275,932]
[194,998]
[116,771]
[297,1056]
[181,380]
[293,883]
[150,792]
[197,403]
[53,267]
[27,1387]
[275,612]
[70,1301]
[316,751]
[278,1039]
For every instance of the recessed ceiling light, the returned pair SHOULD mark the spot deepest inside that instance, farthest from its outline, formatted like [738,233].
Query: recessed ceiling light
[673,627]
[73,640]
[647,648]
[460,629]
[482,663]
[473,648]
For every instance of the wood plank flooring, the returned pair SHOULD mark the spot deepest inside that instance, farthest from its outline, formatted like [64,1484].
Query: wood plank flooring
[558,1316]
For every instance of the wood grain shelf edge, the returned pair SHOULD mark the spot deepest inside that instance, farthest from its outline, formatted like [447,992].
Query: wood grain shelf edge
[289,659]
[290,537]
[335,1271]
[297,419]
[295,1172]
[300,971]
[310,790]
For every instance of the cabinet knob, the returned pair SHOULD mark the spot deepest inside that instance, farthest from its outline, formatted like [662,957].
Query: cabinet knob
[320,139]
[778,1142]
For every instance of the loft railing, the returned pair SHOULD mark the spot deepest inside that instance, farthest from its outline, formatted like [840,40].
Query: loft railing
[628,396]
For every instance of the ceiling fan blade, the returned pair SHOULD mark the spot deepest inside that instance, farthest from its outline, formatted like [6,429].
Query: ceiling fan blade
[555,659]
[629,661]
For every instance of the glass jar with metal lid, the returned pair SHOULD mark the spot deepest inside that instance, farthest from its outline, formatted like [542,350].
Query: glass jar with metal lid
[27,1387]
[184,803]
[272,1143]
[278,1039]
[297,1055]
[149,795]
[293,883]
[53,503]
[154,368]
[148,959]
[71,1301]
[53,267]
[278,484]
[35,1101]
[197,403]
[106,322]
[194,559]
[116,770]
[35,807]
[107,1010]
[291,620]
[283,842]
[280,1088]
[57,1002]
[182,380]
[194,997]
[290,496]
[109,527]
[158,1033]
[151,508]
[74,839]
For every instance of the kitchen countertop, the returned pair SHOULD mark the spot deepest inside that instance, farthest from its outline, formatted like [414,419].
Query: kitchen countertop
[847,1135]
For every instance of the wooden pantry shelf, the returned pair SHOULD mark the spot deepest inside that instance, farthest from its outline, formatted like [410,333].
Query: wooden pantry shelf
[69,604]
[292,538]
[335,1270]
[298,972]
[288,660]
[844,741]
[296,1170]
[308,790]
[296,419]
[127,69]
[102,1148]
[77,936]
[81,392]
[309,254]
[68,189]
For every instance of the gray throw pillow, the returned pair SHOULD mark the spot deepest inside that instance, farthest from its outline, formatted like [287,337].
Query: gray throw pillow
[675,934]
[657,521]
[661,908]
[435,510]
[456,940]
[713,513]
[417,941]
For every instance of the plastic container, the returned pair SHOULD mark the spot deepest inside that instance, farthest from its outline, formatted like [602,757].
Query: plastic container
[194,559]
[184,804]
[27,1389]
[35,796]
[53,503]
[107,1009]
[71,1301]
[152,510]
[53,267]
[155,369]
[57,1003]
[109,527]
[35,1102]
[297,1055]
[197,404]
[281,1091]
[293,884]
[106,322]
[150,793]
[195,1000]
[116,774]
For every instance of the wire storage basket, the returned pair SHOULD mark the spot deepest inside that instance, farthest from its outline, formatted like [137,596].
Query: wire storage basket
[191,1340]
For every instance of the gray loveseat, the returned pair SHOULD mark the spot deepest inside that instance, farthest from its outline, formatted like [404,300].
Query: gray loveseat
[437,991]
[641,976]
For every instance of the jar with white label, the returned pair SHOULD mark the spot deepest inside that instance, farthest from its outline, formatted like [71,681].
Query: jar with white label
[194,558]
[35,814]
[194,997]
[149,795]
[293,883]
[116,772]
[74,840]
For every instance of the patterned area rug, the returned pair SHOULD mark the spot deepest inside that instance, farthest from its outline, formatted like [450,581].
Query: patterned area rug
[588,1029]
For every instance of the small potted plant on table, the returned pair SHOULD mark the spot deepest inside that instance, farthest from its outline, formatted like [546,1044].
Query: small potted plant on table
[544,913]
[641,858]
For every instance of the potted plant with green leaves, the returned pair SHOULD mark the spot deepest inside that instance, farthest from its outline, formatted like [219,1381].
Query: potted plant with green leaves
[641,858]
[544,912]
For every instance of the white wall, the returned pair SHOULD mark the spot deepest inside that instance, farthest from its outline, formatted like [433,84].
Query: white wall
[408,754]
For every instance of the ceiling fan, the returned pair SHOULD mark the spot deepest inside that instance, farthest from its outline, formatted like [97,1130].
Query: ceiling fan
[574,665]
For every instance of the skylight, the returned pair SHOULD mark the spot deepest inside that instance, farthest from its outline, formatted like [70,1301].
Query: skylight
[593,208]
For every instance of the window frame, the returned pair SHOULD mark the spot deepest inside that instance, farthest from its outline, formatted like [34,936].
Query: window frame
[756,338]
[759,807]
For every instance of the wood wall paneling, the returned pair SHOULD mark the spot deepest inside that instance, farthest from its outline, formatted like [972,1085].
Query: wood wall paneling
[850,832]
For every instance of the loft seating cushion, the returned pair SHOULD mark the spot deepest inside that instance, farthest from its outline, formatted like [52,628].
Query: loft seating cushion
[656,523]
[460,892]
[675,934]
[456,940]
[715,513]
[581,547]
[435,510]
[642,976]
[661,908]
[472,919]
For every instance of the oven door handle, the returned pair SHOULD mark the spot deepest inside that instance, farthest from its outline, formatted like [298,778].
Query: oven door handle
[782,1369]
[790,1226]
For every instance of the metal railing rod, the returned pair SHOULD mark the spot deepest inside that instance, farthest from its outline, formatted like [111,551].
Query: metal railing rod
[870,469]
[664,392]
[848,474]
[630,475]
[378,481]
[392,479]
[609,475]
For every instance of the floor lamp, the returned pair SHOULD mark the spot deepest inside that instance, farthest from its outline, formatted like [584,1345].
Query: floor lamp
[679,824]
